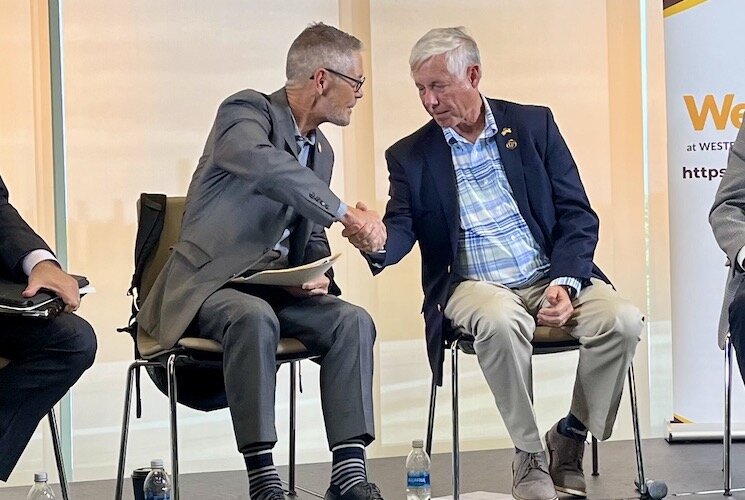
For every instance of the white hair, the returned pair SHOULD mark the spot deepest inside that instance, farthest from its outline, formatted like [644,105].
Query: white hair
[459,47]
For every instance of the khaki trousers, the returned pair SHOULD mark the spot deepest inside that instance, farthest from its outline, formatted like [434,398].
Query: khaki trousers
[502,321]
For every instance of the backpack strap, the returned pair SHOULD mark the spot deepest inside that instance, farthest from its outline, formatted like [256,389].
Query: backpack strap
[149,227]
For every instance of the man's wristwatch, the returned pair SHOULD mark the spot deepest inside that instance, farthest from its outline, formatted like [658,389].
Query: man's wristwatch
[571,291]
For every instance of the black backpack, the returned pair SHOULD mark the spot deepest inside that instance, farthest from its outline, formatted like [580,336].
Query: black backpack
[200,381]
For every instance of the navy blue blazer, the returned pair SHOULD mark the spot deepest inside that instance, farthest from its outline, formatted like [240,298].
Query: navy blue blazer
[423,205]
[17,239]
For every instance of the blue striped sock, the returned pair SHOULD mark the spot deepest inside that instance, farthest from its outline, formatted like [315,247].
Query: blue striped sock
[348,465]
[262,475]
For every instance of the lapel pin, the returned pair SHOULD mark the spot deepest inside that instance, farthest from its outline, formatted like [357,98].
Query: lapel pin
[319,148]
[511,144]
[506,130]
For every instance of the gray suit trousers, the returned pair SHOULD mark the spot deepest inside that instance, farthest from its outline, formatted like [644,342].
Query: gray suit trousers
[249,328]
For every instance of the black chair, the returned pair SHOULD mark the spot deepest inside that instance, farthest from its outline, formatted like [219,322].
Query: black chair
[55,443]
[545,341]
[188,352]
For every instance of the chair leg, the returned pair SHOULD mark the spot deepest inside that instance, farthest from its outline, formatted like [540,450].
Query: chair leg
[727,416]
[595,456]
[125,427]
[637,435]
[431,421]
[58,454]
[293,401]
[456,440]
[172,398]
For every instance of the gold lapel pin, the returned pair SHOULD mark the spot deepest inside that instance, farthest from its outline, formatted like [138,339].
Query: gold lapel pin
[511,144]
[506,130]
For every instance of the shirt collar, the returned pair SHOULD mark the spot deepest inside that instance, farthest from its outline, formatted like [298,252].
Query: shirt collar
[303,139]
[490,127]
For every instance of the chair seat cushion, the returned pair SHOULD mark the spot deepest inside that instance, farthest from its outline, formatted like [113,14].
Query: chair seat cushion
[546,339]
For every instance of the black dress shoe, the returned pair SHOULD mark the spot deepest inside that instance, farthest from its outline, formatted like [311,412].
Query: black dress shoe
[360,491]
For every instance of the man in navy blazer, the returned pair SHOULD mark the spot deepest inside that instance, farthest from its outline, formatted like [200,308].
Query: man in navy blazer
[491,193]
[46,356]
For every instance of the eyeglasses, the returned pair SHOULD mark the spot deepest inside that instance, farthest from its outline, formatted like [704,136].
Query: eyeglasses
[356,84]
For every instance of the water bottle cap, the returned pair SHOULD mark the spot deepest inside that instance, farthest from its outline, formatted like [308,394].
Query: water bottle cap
[40,477]
[417,443]
[156,463]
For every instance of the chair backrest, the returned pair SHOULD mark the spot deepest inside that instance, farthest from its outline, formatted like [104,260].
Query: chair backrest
[201,383]
[168,237]
[153,265]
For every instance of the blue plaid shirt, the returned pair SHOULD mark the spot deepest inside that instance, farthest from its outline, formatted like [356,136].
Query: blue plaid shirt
[494,241]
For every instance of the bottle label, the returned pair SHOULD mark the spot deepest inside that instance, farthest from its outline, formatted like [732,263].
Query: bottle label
[417,480]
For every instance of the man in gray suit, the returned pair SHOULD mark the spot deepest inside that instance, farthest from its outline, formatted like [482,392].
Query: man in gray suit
[727,219]
[260,199]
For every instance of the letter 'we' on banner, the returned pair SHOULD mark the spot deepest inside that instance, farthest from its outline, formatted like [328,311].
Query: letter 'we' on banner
[705,76]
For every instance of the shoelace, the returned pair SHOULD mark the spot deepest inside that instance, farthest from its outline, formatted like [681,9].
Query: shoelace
[277,495]
[373,491]
[533,463]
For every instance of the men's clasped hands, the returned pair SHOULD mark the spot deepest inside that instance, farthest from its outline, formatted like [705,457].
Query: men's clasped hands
[363,228]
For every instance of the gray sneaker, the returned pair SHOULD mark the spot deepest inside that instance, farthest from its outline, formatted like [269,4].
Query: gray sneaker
[530,477]
[566,462]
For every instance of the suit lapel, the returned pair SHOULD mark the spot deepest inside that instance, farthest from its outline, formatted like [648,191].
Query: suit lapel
[284,124]
[439,162]
[508,143]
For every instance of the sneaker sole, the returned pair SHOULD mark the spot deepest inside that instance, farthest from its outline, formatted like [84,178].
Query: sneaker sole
[571,491]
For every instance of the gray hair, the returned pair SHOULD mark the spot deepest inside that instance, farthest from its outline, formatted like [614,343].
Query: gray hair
[320,46]
[459,47]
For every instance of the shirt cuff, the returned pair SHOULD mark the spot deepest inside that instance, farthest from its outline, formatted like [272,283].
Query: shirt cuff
[568,281]
[741,258]
[342,210]
[376,259]
[34,257]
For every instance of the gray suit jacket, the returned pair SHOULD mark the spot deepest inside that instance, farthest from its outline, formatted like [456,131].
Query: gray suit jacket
[727,218]
[247,189]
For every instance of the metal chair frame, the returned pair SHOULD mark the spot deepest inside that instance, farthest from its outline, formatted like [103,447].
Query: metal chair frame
[727,490]
[727,438]
[539,348]
[168,362]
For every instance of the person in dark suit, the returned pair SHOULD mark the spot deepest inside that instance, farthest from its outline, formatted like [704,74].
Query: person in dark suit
[260,199]
[489,190]
[727,219]
[46,356]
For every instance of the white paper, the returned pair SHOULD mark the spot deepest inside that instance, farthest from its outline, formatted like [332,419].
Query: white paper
[294,276]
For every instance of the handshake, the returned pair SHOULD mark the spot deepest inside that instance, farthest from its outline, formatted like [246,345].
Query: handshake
[363,228]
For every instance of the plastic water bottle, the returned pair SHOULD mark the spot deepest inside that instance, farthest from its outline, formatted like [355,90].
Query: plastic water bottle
[418,486]
[157,484]
[40,490]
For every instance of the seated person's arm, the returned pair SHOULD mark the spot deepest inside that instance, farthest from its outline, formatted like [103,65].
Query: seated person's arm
[49,275]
